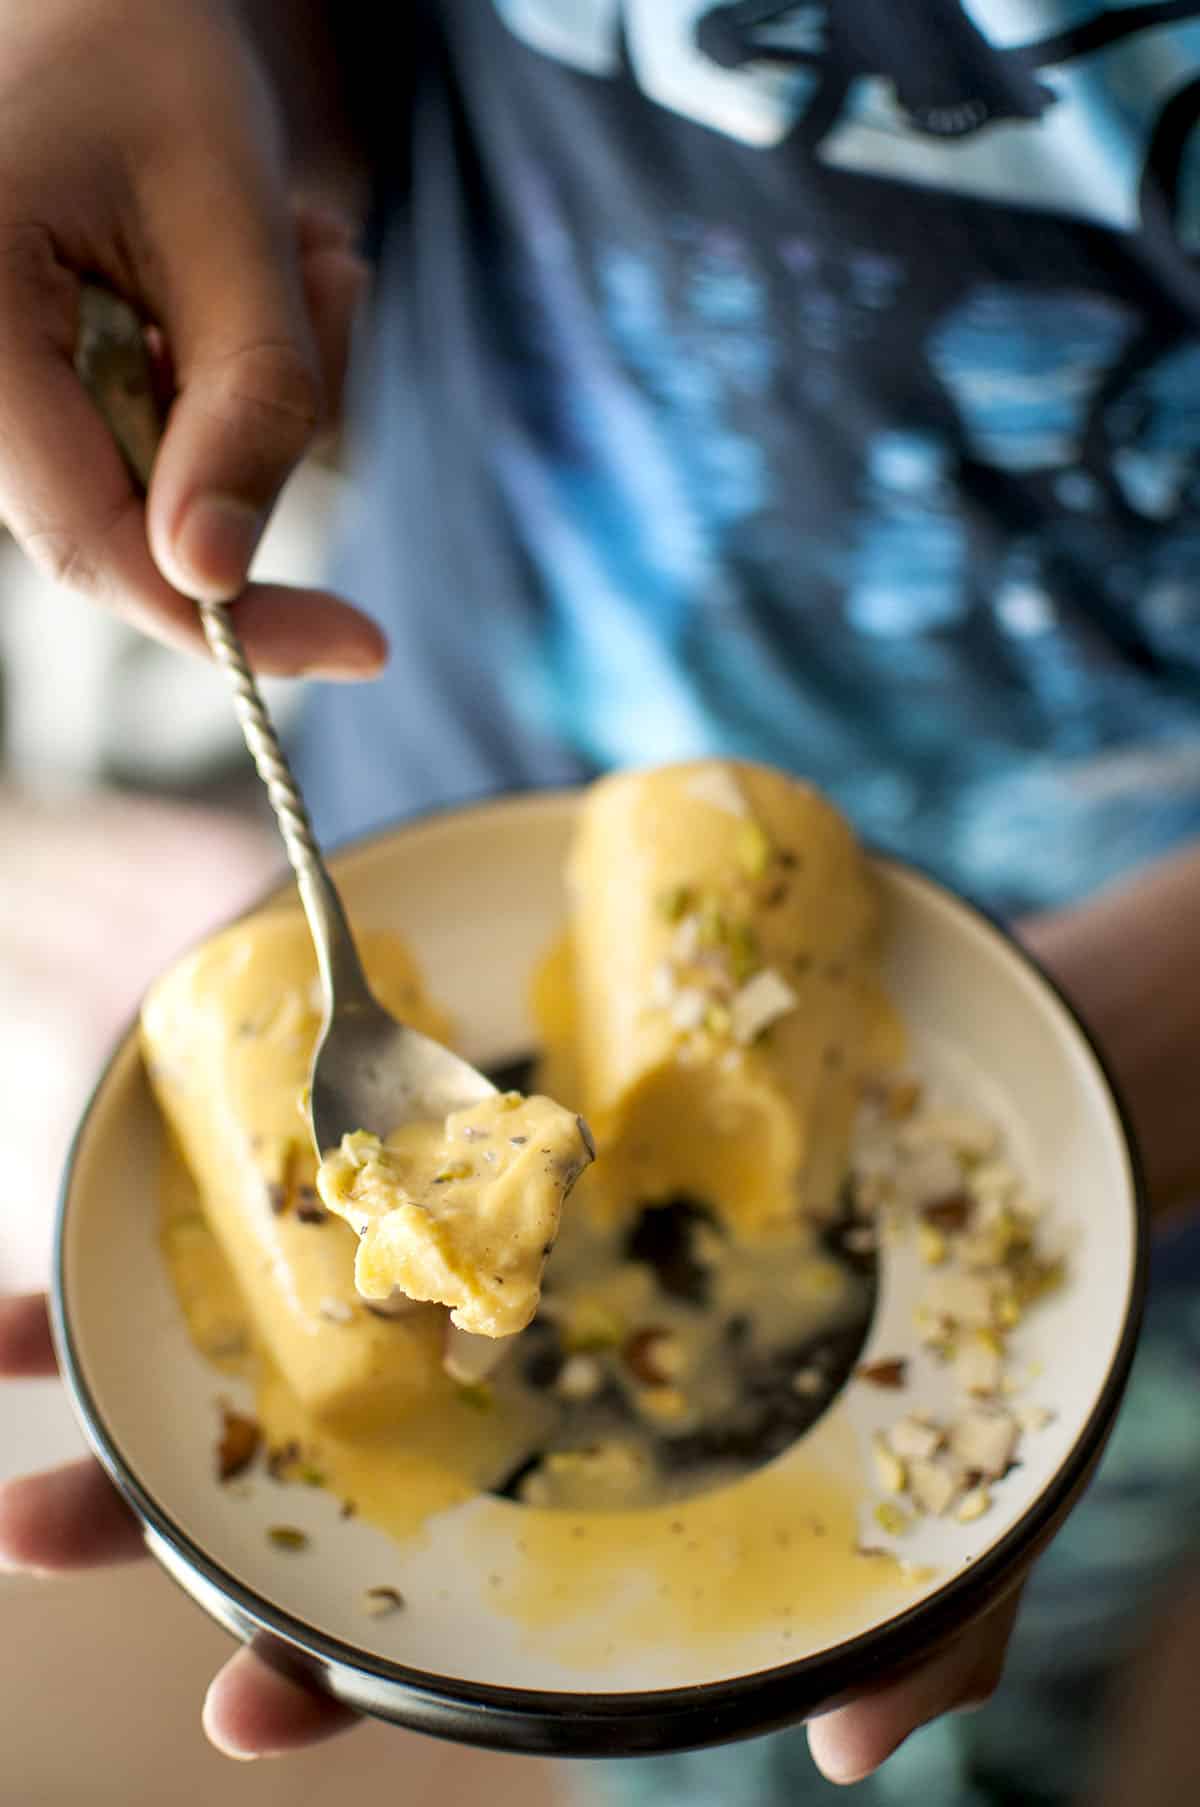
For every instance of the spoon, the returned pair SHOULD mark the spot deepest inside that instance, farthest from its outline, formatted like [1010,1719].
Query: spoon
[369,1072]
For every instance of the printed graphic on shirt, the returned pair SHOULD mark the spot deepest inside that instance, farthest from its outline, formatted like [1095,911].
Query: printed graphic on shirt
[1046,103]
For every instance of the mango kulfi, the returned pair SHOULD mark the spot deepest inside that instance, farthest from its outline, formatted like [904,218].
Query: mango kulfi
[719,997]
[463,1212]
[227,1036]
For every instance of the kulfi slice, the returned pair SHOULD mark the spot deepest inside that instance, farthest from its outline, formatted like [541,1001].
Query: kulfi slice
[227,1037]
[463,1212]
[725,1000]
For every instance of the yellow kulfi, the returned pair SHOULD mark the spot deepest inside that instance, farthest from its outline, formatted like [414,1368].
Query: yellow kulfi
[719,998]
[463,1212]
[227,1036]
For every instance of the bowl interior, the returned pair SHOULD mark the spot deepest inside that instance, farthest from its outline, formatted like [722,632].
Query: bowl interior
[764,1572]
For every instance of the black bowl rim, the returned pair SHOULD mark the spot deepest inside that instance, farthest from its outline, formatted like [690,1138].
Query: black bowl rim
[616,1724]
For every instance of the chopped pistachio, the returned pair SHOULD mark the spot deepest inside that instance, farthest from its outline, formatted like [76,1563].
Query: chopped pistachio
[931,1245]
[890,1518]
[454,1170]
[717,1020]
[714,930]
[287,1537]
[312,1477]
[509,1101]
[590,1328]
[753,849]
[675,903]
[744,953]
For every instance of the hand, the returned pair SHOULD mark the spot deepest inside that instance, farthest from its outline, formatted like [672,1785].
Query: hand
[71,1518]
[852,1741]
[140,144]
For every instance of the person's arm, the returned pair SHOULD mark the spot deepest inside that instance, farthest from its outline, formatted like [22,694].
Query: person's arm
[142,145]
[1129,959]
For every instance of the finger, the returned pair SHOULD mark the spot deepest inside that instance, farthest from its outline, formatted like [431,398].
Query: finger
[251,1711]
[69,1518]
[249,396]
[320,226]
[87,529]
[334,281]
[26,1346]
[852,1741]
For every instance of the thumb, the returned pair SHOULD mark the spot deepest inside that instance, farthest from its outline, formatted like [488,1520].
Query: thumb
[249,395]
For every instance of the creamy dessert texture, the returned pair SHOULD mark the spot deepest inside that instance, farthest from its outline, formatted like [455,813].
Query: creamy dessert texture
[715,1013]
[462,1213]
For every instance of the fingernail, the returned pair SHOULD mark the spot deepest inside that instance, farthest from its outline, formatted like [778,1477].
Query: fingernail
[215,542]
[341,674]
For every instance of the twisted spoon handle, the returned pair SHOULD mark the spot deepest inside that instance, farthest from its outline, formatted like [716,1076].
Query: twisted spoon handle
[114,365]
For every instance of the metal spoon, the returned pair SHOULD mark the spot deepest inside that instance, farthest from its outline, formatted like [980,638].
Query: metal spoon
[369,1072]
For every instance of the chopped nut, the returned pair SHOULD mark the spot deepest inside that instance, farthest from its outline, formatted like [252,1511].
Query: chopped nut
[760,1002]
[1034,1417]
[716,785]
[973,1505]
[933,1485]
[287,1537]
[928,1175]
[662,985]
[949,1214]
[240,1439]
[688,1008]
[931,1245]
[453,1170]
[891,1373]
[717,1020]
[912,1437]
[889,1469]
[993,1182]
[591,1327]
[890,1518]
[579,1378]
[685,943]
[961,1298]
[986,1441]
[979,1362]
[655,1356]
[381,1602]
[309,1208]
[969,1138]
[666,1405]
[753,849]
[809,1382]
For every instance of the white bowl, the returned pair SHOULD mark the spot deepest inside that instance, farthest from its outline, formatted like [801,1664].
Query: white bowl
[625,1651]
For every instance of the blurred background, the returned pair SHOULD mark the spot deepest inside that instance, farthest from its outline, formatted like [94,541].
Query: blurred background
[130,823]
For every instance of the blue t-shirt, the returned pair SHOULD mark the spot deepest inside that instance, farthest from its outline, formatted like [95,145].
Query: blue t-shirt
[818,382]
[815,382]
